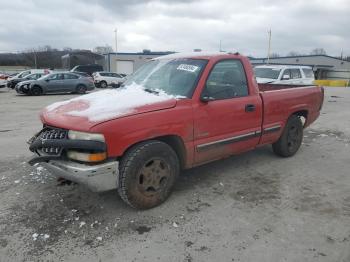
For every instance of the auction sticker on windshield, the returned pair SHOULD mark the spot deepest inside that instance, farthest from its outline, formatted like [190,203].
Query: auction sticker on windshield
[189,68]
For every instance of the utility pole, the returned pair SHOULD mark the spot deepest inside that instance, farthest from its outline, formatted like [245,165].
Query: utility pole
[35,60]
[116,48]
[269,48]
[220,50]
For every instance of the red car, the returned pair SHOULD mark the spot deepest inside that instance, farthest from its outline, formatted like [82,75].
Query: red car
[175,112]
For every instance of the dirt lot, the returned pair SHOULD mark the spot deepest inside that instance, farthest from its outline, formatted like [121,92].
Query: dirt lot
[252,207]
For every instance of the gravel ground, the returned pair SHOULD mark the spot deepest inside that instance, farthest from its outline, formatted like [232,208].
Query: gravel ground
[251,207]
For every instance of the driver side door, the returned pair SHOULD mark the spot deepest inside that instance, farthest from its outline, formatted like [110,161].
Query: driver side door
[54,83]
[229,122]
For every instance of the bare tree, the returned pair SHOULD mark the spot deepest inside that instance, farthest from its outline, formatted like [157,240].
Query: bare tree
[318,51]
[103,49]
[293,53]
[274,55]
[67,48]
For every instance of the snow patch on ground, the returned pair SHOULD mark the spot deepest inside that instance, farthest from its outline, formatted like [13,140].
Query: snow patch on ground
[110,103]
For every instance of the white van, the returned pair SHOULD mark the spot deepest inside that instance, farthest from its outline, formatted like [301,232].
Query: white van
[284,74]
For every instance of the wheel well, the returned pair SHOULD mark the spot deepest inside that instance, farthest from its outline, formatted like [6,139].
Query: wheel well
[38,86]
[175,142]
[302,114]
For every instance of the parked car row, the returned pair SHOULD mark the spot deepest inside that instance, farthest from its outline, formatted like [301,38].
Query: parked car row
[22,76]
[62,82]
[43,81]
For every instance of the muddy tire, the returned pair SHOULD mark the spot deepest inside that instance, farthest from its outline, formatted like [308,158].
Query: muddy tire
[148,172]
[291,138]
[36,91]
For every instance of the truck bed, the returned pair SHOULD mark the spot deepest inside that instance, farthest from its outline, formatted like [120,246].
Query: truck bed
[269,87]
[280,101]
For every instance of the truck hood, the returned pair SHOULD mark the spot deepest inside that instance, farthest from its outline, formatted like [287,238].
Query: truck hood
[84,112]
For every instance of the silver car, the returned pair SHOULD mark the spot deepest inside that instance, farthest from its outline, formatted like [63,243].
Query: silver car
[63,82]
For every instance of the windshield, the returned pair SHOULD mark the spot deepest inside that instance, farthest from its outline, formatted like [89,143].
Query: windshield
[32,77]
[272,73]
[23,74]
[173,76]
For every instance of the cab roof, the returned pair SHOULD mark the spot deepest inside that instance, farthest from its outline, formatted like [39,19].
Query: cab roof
[203,55]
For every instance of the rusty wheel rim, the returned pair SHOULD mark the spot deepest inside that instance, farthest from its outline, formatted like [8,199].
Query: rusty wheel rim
[153,177]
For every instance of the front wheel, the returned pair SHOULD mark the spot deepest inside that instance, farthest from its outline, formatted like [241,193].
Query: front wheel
[148,172]
[36,91]
[291,138]
[103,84]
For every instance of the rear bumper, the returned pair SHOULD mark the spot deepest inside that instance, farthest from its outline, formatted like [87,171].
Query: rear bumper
[91,87]
[97,178]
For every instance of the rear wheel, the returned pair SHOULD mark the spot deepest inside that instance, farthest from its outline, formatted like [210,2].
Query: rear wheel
[81,89]
[36,91]
[148,172]
[291,138]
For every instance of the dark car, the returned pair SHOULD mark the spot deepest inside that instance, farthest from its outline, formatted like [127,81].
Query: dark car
[82,74]
[89,69]
[63,82]
[15,81]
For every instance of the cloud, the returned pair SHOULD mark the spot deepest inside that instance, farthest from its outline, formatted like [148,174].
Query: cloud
[178,25]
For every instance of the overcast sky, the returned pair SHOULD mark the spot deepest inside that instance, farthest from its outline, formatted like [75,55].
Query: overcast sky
[179,25]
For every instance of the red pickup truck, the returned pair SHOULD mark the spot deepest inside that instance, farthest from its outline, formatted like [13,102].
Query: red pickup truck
[175,112]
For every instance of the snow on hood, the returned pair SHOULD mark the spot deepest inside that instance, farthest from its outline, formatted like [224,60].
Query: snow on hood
[108,104]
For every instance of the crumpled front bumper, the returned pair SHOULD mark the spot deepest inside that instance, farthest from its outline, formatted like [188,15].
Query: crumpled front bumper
[50,145]
[97,178]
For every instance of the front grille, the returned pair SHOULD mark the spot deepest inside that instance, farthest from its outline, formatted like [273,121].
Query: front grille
[52,133]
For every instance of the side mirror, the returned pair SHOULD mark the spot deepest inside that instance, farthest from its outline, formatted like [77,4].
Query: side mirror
[285,77]
[205,98]
[47,80]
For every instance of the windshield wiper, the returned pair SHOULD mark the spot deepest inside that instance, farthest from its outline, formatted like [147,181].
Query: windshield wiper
[151,91]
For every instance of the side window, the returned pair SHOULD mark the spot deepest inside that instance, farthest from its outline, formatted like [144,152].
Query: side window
[308,73]
[227,80]
[102,74]
[286,72]
[295,73]
[53,77]
[116,75]
[70,76]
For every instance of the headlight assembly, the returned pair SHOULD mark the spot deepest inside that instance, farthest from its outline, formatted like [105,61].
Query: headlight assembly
[77,135]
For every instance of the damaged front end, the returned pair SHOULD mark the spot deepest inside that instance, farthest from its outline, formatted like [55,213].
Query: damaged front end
[77,156]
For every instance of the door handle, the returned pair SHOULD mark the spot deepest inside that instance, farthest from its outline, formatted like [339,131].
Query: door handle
[250,108]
